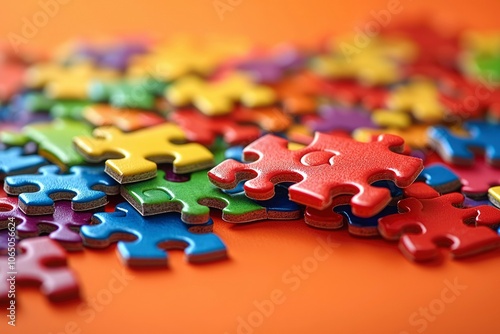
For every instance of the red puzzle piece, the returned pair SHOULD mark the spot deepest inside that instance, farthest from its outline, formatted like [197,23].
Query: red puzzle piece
[353,93]
[205,129]
[43,262]
[426,224]
[330,166]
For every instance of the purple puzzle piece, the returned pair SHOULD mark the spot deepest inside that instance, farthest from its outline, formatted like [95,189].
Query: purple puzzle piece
[336,117]
[174,177]
[115,56]
[63,226]
[271,69]
[4,241]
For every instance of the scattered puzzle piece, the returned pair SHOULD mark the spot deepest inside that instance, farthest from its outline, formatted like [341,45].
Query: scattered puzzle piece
[141,239]
[137,161]
[124,119]
[322,170]
[191,198]
[14,161]
[42,262]
[441,178]
[460,150]
[205,129]
[62,226]
[54,139]
[86,187]
[336,117]
[219,97]
[364,227]
[424,225]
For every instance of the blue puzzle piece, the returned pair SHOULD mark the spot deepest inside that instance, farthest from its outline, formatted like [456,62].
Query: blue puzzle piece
[470,203]
[85,186]
[153,233]
[13,161]
[364,227]
[441,178]
[280,206]
[483,136]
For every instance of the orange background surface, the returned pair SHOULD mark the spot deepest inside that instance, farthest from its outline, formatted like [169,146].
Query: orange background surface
[359,286]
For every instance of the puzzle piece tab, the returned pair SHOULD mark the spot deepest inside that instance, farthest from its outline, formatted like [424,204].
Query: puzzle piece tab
[138,157]
[322,170]
[152,234]
[124,119]
[86,187]
[42,262]
[424,225]
[62,226]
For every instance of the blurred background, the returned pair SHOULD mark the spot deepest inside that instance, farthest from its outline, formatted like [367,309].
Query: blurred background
[263,21]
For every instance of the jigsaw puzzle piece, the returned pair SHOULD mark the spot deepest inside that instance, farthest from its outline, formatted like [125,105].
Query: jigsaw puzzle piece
[494,195]
[191,198]
[322,170]
[415,136]
[124,119]
[41,262]
[62,226]
[86,187]
[364,227]
[331,219]
[482,136]
[137,161]
[13,161]
[424,225]
[337,117]
[72,109]
[205,129]
[441,178]
[54,139]
[141,240]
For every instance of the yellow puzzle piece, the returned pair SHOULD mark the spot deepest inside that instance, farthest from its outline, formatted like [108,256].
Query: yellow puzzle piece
[66,82]
[132,157]
[415,136]
[218,98]
[421,98]
[494,195]
[391,119]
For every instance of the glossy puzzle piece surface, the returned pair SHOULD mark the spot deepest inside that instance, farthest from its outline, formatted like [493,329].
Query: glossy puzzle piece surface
[137,160]
[441,178]
[42,262]
[424,225]
[483,136]
[62,226]
[54,139]
[14,161]
[205,129]
[141,240]
[124,119]
[86,187]
[364,227]
[322,170]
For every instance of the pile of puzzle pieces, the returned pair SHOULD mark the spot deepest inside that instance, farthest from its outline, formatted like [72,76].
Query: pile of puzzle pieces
[133,141]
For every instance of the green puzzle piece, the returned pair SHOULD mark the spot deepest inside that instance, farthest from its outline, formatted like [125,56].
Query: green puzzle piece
[54,139]
[69,109]
[192,198]
[488,67]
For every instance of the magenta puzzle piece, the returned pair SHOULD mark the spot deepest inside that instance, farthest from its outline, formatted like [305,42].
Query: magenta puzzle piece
[63,226]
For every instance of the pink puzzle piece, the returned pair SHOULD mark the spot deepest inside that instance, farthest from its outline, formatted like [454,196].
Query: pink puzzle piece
[476,179]
[423,225]
[42,262]
[330,166]
[62,226]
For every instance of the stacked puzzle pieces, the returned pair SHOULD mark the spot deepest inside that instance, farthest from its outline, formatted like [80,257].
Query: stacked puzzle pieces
[134,142]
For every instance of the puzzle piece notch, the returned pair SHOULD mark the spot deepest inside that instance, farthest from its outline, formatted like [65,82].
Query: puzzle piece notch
[44,263]
[321,170]
[62,226]
[13,161]
[136,161]
[461,150]
[426,224]
[86,187]
[141,239]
